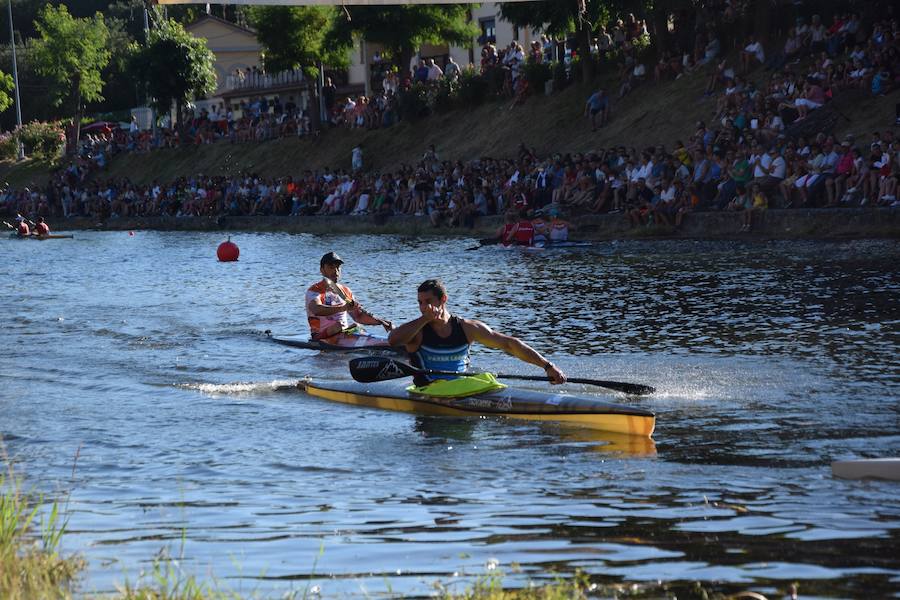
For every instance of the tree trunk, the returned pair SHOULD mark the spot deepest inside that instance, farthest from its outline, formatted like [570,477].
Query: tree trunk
[660,24]
[762,20]
[179,122]
[77,123]
[584,50]
[406,54]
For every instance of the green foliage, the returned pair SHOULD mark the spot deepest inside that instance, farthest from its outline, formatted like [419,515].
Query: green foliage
[296,37]
[175,66]
[400,29]
[41,140]
[414,102]
[71,53]
[537,74]
[27,569]
[445,96]
[473,88]
[7,89]
[560,76]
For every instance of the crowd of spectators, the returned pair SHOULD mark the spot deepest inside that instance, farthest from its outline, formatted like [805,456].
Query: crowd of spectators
[746,160]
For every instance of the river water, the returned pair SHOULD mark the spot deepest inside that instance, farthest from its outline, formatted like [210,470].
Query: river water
[136,388]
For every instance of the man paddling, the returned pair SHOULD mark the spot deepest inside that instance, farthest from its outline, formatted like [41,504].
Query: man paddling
[22,229]
[330,306]
[440,341]
[41,227]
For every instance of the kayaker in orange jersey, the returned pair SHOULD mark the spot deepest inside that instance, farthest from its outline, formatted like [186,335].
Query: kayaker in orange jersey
[440,341]
[22,228]
[41,228]
[330,305]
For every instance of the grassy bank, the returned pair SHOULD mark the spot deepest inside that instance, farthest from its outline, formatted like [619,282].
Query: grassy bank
[652,114]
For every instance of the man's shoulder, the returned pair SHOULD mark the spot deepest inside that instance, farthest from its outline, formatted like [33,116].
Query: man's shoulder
[318,287]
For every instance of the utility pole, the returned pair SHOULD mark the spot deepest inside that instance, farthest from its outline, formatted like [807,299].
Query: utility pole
[12,43]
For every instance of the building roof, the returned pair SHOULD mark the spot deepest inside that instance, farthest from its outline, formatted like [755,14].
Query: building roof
[218,20]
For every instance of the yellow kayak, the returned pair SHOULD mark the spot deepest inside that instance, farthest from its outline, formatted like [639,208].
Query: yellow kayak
[511,402]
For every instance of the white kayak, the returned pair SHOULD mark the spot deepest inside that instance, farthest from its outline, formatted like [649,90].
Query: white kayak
[875,468]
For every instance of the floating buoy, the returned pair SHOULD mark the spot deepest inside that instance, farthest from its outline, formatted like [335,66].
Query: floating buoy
[131,233]
[228,251]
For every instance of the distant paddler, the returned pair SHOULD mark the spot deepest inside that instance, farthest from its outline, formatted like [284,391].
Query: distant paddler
[22,229]
[330,306]
[440,341]
[41,227]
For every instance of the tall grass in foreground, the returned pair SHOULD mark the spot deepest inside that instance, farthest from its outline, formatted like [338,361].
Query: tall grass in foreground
[30,563]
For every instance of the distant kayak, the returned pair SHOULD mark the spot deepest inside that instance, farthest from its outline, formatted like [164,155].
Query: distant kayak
[515,403]
[366,344]
[51,236]
[538,245]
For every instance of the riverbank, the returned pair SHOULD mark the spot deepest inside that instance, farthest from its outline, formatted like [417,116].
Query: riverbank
[842,223]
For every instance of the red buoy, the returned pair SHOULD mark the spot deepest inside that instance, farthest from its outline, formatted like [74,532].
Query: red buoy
[228,251]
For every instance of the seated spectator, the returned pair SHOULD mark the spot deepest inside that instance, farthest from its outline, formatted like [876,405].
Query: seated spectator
[752,55]
[759,203]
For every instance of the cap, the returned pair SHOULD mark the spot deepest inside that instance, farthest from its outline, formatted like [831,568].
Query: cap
[331,259]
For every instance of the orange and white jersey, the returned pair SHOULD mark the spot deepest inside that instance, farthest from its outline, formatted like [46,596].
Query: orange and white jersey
[322,293]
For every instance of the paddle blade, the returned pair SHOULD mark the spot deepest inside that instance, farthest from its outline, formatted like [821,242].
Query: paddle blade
[633,389]
[378,368]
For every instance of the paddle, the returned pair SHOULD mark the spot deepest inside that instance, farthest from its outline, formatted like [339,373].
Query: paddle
[378,368]
[334,287]
[486,242]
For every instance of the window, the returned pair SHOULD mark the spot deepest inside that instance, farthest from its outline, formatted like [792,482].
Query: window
[488,30]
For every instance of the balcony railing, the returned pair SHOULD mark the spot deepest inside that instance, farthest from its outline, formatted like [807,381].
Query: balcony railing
[262,81]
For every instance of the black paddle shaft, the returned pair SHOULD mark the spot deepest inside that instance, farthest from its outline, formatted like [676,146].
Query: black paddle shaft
[376,368]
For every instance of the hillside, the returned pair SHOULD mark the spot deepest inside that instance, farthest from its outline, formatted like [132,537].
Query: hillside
[652,114]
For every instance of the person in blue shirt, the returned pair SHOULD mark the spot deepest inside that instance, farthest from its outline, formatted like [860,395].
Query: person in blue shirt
[598,107]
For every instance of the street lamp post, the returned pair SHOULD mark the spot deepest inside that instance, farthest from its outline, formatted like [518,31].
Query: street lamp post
[12,43]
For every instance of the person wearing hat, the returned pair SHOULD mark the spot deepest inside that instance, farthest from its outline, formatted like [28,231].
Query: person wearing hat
[22,229]
[330,306]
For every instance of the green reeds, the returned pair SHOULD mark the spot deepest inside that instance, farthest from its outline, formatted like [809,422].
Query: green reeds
[30,563]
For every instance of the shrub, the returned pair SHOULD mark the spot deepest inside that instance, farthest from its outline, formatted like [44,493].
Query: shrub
[537,74]
[473,88]
[8,146]
[446,96]
[414,102]
[560,76]
[42,140]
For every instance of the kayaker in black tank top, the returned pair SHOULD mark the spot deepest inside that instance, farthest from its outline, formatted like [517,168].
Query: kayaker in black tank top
[437,353]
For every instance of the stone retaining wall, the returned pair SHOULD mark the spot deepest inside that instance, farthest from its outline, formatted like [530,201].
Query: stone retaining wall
[840,223]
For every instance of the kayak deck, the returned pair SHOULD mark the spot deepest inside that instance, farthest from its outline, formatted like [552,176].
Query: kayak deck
[367,344]
[509,402]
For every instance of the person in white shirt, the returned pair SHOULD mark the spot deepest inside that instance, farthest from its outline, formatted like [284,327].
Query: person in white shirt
[434,71]
[451,70]
[752,51]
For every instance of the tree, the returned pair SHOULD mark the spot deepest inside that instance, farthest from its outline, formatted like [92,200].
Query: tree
[402,29]
[295,37]
[71,53]
[7,88]
[176,67]
[559,18]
